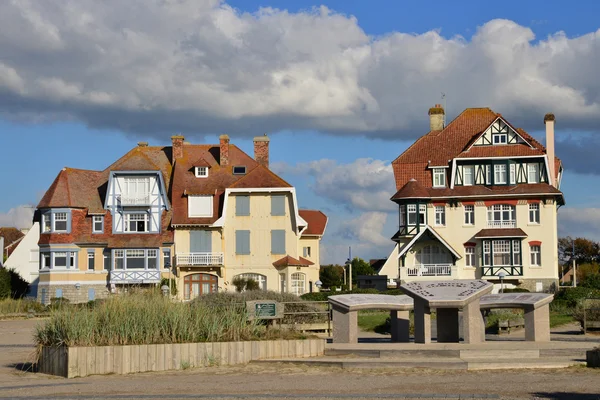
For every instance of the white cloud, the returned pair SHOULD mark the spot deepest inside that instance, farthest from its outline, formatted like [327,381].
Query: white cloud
[365,229]
[19,217]
[203,67]
[365,184]
[579,222]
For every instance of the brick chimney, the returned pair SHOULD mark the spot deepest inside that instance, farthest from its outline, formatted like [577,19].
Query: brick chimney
[549,122]
[436,118]
[261,150]
[224,152]
[177,141]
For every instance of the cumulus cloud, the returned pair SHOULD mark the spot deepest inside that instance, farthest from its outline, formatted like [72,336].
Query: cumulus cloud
[19,217]
[197,67]
[363,185]
[366,229]
[579,222]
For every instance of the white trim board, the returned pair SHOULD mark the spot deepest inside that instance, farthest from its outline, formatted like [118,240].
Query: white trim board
[410,244]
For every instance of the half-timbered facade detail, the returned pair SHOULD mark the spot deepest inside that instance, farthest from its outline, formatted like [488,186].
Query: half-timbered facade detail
[478,198]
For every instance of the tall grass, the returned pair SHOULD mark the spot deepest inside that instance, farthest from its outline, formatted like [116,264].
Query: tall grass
[146,318]
[20,306]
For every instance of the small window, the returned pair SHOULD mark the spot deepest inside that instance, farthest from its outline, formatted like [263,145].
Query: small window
[470,256]
[242,242]
[501,138]
[535,255]
[278,241]
[98,224]
[137,222]
[533,173]
[166,258]
[242,206]
[60,222]
[440,215]
[306,252]
[500,174]
[91,260]
[46,223]
[106,257]
[439,177]
[468,175]
[469,215]
[513,179]
[534,213]
[45,260]
[201,172]
[239,170]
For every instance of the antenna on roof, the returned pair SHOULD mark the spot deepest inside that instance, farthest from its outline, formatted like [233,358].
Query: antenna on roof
[444,101]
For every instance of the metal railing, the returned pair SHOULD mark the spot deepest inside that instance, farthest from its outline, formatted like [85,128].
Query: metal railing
[133,276]
[502,224]
[430,270]
[199,258]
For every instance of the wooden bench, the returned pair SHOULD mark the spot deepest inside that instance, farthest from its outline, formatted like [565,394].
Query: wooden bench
[591,305]
[508,324]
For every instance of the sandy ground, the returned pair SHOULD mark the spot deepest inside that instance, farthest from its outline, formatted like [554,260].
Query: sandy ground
[282,381]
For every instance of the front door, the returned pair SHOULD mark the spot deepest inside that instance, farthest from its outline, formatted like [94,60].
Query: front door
[200,242]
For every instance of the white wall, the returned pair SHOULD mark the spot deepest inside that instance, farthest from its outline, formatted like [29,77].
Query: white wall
[25,258]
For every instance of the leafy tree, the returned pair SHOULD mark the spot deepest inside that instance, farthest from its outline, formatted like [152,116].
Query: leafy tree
[251,284]
[331,275]
[361,267]
[586,250]
[11,284]
[242,284]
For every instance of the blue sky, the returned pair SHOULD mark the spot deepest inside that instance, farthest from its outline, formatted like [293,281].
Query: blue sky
[341,87]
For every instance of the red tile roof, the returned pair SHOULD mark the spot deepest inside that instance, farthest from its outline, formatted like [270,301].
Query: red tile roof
[412,190]
[438,148]
[291,261]
[317,222]
[12,236]
[500,233]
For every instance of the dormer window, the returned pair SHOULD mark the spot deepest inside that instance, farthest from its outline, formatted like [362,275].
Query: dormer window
[201,172]
[439,177]
[500,138]
[239,170]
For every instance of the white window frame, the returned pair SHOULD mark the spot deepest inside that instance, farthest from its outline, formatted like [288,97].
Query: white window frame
[533,170]
[440,215]
[487,253]
[306,251]
[534,213]
[47,223]
[201,172]
[516,248]
[501,249]
[511,222]
[471,174]
[535,255]
[469,215]
[91,256]
[439,177]
[58,217]
[470,259]
[503,138]
[128,219]
[500,174]
[513,173]
[95,220]
[298,283]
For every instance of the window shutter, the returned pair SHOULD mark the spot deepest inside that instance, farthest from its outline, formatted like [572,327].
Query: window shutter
[242,242]
[91,294]
[59,293]
[242,205]
[278,242]
[69,215]
[277,205]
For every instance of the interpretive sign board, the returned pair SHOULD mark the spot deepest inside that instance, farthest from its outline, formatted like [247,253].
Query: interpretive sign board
[455,293]
[264,309]
[352,302]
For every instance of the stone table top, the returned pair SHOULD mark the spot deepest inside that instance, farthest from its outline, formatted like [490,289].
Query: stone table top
[448,294]
[510,300]
[355,302]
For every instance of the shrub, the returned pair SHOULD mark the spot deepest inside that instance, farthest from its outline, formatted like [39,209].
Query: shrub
[251,284]
[572,296]
[591,281]
[516,290]
[12,285]
[4,283]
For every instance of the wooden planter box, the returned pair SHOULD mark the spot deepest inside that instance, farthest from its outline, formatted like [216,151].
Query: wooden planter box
[72,362]
[318,326]
[593,358]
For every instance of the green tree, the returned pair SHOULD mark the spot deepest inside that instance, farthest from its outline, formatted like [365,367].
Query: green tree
[360,267]
[586,250]
[331,275]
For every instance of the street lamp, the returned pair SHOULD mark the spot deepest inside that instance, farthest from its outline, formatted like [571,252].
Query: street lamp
[349,267]
[502,275]
[318,284]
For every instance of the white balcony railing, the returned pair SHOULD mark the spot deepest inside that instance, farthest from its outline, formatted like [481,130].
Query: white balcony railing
[502,224]
[199,258]
[133,276]
[138,200]
[430,270]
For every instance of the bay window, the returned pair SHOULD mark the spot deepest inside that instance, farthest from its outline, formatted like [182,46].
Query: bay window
[56,221]
[135,259]
[58,259]
[502,252]
[413,216]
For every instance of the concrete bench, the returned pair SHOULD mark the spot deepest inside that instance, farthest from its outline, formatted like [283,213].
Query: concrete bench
[536,308]
[345,309]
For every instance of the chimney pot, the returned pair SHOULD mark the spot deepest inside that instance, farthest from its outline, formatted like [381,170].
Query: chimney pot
[177,142]
[142,144]
[436,118]
[224,150]
[261,150]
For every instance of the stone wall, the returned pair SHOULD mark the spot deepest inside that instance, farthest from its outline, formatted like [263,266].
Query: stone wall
[72,362]
[71,293]
[548,285]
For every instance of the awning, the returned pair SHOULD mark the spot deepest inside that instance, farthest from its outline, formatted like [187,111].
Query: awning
[500,233]
[291,261]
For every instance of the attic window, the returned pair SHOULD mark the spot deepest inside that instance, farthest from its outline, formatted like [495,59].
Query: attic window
[201,172]
[500,138]
[239,170]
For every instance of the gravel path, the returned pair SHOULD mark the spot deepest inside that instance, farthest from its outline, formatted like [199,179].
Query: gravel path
[282,381]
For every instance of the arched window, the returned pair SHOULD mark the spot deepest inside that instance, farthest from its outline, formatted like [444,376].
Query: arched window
[501,216]
[433,254]
[298,283]
[261,279]
[196,284]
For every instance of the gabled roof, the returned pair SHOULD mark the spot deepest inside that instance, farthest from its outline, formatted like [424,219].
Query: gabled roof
[260,177]
[12,236]
[201,163]
[291,261]
[416,238]
[316,220]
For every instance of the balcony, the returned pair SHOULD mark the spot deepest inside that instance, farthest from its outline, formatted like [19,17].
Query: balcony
[199,259]
[134,276]
[428,270]
[138,200]
[502,224]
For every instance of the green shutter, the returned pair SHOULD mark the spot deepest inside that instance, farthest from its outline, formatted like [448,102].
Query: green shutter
[242,242]
[242,205]
[278,242]
[278,205]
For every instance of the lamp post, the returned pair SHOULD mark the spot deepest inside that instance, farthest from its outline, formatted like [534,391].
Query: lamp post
[502,275]
[574,267]
[349,268]
[318,284]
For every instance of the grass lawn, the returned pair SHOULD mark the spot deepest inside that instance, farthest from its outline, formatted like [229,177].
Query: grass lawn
[560,318]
